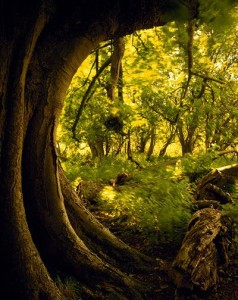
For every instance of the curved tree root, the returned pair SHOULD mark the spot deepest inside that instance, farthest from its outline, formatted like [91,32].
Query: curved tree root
[98,238]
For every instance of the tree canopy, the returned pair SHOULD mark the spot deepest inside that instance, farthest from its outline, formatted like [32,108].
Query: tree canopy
[172,83]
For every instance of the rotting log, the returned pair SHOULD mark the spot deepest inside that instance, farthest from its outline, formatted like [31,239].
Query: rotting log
[200,204]
[121,179]
[204,249]
[88,192]
[217,184]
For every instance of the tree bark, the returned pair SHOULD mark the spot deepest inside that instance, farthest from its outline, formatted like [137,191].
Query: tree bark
[209,234]
[152,143]
[52,230]
[204,248]
[117,55]
[216,185]
[24,275]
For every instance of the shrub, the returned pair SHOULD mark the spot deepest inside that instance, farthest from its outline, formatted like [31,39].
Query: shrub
[154,202]
[106,169]
[69,287]
[195,166]
[231,210]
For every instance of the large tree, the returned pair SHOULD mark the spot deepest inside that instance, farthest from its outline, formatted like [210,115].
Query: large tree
[44,228]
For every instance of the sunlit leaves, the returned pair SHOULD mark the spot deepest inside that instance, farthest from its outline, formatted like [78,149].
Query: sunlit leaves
[158,90]
[219,14]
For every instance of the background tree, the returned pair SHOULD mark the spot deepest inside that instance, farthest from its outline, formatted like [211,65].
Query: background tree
[170,73]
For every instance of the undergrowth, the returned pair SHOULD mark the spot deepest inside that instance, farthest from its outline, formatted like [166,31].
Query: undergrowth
[157,199]
[154,202]
[231,209]
[69,287]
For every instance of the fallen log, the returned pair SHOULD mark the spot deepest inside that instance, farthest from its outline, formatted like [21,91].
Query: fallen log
[212,191]
[217,184]
[200,204]
[204,249]
[88,192]
[121,179]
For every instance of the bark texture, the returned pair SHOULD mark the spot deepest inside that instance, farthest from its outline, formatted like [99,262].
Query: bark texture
[204,248]
[217,184]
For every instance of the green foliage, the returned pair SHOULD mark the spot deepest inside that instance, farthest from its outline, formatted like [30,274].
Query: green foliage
[231,210]
[74,164]
[195,166]
[157,93]
[155,202]
[156,90]
[217,13]
[106,169]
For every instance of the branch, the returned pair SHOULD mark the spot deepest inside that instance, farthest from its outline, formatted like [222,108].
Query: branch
[202,91]
[190,30]
[102,47]
[142,42]
[207,77]
[87,95]
[86,80]
[160,113]
[221,153]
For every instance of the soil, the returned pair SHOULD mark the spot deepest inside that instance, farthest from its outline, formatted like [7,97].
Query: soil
[161,285]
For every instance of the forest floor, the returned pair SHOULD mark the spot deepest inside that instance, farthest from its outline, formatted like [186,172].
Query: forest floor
[158,280]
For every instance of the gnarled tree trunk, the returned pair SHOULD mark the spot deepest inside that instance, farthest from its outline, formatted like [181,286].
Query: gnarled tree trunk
[42,45]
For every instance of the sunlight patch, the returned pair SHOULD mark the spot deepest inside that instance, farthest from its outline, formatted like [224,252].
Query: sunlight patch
[108,193]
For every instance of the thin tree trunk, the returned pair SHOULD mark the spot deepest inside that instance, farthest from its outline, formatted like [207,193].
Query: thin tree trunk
[119,48]
[152,143]
[120,84]
[97,149]
[129,152]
